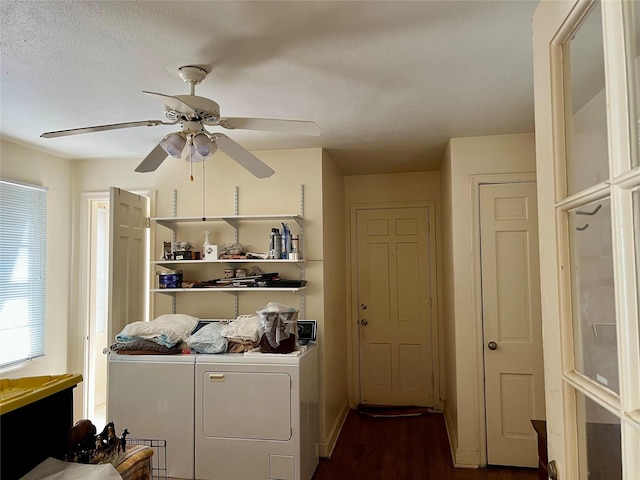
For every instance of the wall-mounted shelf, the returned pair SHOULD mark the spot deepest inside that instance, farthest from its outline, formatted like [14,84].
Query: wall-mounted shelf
[174,223]
[169,263]
[171,291]
[233,220]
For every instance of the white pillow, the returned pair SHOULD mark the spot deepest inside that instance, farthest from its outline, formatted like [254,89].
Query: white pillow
[168,329]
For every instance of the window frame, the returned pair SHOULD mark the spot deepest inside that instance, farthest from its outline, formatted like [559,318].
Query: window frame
[13,195]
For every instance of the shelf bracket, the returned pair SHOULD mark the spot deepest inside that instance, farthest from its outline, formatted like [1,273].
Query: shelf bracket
[234,223]
[174,211]
[236,302]
[235,226]
[301,207]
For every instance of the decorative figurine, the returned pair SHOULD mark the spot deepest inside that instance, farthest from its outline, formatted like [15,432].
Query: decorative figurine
[87,447]
[123,440]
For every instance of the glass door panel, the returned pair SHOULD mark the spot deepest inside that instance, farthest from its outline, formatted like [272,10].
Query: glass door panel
[632,34]
[599,441]
[636,219]
[587,158]
[593,301]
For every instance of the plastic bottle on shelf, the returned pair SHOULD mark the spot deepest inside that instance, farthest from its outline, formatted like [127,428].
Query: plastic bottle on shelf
[295,252]
[209,252]
[275,244]
[286,242]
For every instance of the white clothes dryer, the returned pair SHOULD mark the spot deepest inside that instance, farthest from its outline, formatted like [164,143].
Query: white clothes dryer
[256,416]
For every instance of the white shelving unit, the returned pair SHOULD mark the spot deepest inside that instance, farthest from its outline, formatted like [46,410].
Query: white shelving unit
[174,223]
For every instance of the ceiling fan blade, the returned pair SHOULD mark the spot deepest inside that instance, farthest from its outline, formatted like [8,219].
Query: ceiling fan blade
[174,103]
[153,160]
[271,125]
[101,128]
[245,158]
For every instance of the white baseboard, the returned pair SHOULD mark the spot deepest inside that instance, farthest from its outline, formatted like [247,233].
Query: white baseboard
[461,458]
[467,459]
[451,434]
[326,449]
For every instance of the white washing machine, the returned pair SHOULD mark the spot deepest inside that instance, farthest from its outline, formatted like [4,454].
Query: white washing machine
[152,396]
[256,416]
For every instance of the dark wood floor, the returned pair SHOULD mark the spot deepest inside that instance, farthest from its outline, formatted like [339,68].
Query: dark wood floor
[403,448]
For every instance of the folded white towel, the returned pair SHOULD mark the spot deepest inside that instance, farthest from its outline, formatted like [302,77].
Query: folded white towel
[244,327]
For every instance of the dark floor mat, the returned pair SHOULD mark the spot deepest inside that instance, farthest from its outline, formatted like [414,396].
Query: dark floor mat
[391,411]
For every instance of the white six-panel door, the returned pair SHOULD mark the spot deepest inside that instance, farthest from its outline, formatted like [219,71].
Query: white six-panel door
[512,327]
[128,220]
[394,304]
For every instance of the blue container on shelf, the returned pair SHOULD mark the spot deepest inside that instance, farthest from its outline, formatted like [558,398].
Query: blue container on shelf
[170,279]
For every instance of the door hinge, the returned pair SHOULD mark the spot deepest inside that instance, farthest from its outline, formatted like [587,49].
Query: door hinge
[430,304]
[148,222]
[428,227]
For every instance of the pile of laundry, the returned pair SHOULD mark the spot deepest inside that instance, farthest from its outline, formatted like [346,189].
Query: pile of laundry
[272,329]
[237,336]
[165,334]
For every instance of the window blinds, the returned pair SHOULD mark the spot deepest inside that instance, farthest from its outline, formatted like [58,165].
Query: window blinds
[23,222]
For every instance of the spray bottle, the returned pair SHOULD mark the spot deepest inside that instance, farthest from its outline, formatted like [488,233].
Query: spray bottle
[209,252]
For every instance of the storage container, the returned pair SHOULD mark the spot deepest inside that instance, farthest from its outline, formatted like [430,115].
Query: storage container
[170,279]
[35,414]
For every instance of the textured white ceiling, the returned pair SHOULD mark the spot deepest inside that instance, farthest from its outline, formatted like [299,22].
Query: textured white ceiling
[388,82]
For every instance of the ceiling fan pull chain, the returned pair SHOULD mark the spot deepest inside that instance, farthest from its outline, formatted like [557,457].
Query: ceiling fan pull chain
[189,155]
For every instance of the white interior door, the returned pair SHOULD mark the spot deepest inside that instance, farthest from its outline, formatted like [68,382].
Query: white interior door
[394,298]
[128,220]
[512,327]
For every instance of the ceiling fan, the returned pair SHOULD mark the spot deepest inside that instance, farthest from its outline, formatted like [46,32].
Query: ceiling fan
[194,143]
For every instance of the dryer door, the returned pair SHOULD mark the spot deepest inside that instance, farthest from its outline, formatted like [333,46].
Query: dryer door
[246,405]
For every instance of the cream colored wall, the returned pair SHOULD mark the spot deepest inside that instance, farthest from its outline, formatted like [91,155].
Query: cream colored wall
[400,188]
[31,166]
[499,154]
[448,300]
[279,194]
[393,187]
[333,333]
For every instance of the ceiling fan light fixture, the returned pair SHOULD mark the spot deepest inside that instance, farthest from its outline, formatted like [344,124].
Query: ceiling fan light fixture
[192,154]
[203,145]
[173,144]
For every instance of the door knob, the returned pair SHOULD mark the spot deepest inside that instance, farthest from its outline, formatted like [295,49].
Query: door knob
[492,345]
[552,469]
[363,306]
[364,322]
